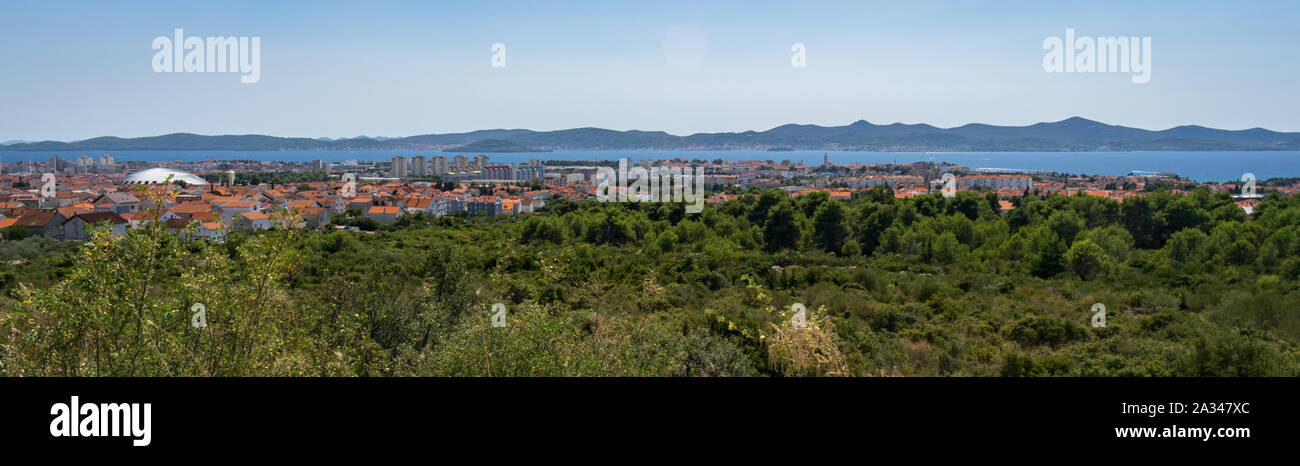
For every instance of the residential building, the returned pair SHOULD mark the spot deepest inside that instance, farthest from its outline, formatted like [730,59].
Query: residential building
[1021,182]
[399,169]
[75,227]
[117,202]
[230,209]
[251,221]
[44,223]
[419,167]
[439,165]
[384,214]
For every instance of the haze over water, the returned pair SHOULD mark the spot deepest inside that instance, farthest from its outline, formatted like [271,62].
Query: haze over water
[1199,166]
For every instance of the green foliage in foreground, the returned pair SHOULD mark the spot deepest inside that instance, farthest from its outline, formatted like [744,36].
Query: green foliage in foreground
[924,286]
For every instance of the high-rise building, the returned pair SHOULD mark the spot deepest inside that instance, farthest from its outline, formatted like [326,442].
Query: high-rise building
[419,168]
[459,162]
[439,165]
[106,160]
[399,167]
[84,163]
[481,161]
[534,162]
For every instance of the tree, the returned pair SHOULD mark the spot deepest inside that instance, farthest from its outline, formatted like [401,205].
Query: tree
[1115,240]
[1186,246]
[1185,213]
[16,232]
[850,249]
[828,226]
[874,219]
[667,242]
[1049,250]
[809,203]
[1086,259]
[946,249]
[1143,222]
[766,201]
[1066,224]
[781,232]
[365,223]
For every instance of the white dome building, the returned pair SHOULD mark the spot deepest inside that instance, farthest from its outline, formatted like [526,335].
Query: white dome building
[159,175]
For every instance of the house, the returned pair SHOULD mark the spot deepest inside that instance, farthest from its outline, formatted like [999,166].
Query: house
[301,204]
[230,209]
[75,227]
[527,205]
[418,205]
[189,209]
[214,231]
[315,217]
[487,205]
[254,221]
[384,214]
[281,220]
[73,210]
[45,223]
[117,202]
[8,222]
[362,204]
[509,206]
[176,225]
[136,220]
[27,199]
[206,217]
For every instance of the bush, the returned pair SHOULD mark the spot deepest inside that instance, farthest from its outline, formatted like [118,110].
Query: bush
[1086,259]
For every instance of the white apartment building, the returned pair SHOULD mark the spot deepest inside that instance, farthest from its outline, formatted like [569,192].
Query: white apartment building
[997,181]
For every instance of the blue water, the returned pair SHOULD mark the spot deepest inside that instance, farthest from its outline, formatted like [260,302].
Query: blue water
[1200,166]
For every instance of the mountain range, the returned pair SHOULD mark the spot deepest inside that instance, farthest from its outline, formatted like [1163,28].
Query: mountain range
[1073,134]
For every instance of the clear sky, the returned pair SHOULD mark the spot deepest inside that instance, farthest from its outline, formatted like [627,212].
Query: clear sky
[74,70]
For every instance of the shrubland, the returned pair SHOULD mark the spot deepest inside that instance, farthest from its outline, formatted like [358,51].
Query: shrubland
[924,286]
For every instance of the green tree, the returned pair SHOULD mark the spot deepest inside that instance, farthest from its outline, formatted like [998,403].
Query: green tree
[828,226]
[781,231]
[1066,224]
[1143,222]
[1049,252]
[1086,259]
[16,233]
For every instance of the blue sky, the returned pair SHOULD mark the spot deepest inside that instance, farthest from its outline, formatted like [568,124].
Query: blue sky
[74,70]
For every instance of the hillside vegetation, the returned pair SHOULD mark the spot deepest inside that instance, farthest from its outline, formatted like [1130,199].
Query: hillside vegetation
[928,286]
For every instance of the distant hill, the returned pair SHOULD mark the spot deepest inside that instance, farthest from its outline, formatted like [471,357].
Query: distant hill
[1073,134]
[494,145]
[377,138]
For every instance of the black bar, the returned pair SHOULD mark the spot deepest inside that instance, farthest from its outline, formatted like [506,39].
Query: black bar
[189,415]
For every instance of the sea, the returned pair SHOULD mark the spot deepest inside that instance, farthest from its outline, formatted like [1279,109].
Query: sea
[1200,166]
